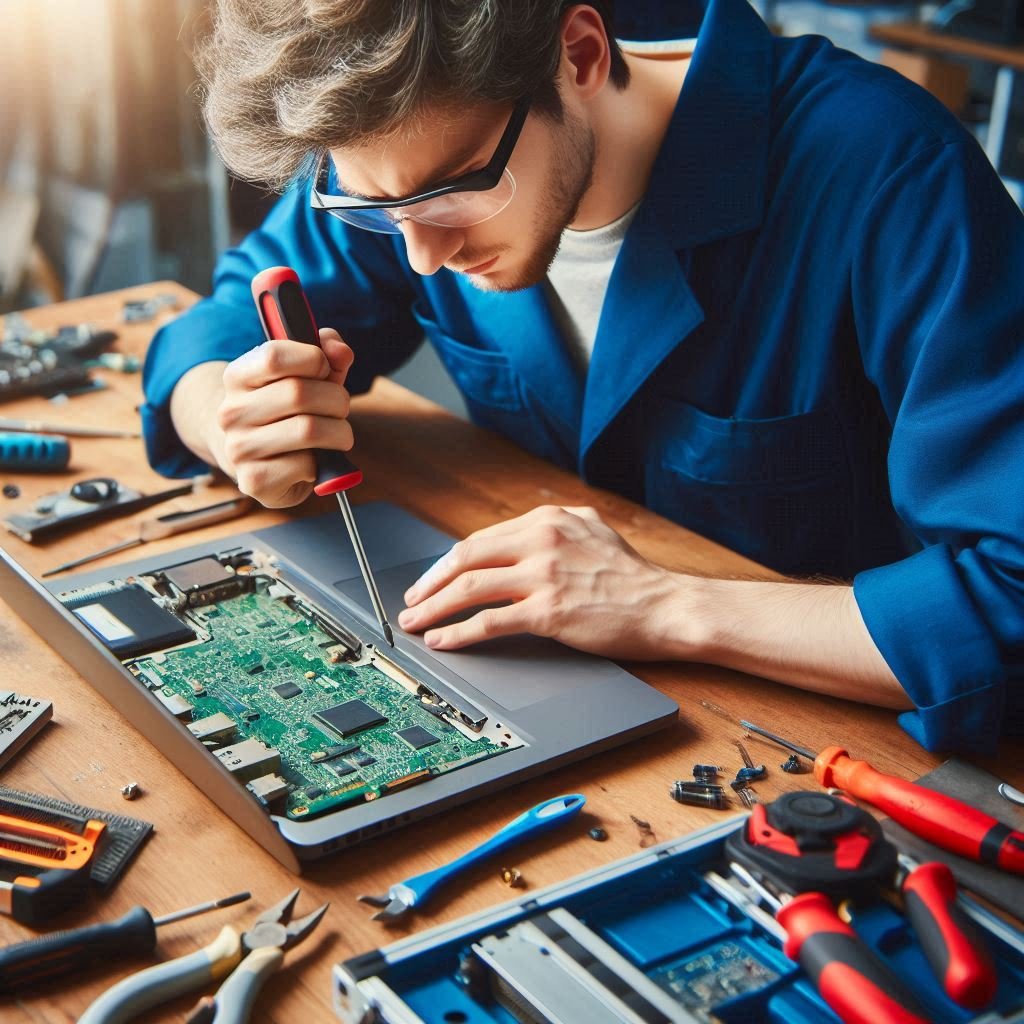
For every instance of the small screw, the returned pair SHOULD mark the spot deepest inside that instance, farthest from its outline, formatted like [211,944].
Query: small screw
[131,791]
[512,877]
[12,491]
[598,834]
[792,765]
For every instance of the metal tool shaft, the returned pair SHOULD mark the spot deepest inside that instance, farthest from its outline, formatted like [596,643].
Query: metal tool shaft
[809,754]
[364,567]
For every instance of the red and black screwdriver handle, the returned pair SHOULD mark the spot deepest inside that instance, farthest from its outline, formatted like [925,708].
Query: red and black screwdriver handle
[942,820]
[285,313]
[844,970]
[953,945]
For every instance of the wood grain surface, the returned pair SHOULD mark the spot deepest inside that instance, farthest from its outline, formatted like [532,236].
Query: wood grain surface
[459,479]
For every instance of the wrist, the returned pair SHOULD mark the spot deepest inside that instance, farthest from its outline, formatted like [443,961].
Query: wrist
[683,625]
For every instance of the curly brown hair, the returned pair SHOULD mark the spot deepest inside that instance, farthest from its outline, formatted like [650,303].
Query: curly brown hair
[286,80]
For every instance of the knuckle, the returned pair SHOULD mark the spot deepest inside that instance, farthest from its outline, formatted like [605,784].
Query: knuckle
[252,479]
[550,536]
[235,448]
[306,430]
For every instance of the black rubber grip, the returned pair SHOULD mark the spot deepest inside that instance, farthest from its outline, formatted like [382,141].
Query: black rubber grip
[62,954]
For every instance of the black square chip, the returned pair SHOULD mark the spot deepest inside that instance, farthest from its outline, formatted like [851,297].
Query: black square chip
[417,737]
[350,717]
[287,690]
[130,622]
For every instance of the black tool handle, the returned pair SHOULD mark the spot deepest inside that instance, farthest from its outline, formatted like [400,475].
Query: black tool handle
[285,313]
[953,945]
[61,954]
[847,975]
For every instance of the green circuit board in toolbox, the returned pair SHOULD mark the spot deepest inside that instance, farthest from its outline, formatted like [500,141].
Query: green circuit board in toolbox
[271,668]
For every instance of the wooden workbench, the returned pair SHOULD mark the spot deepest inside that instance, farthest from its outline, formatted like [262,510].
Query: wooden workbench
[458,478]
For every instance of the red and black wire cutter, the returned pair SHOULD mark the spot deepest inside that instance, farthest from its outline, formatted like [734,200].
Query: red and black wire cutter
[807,851]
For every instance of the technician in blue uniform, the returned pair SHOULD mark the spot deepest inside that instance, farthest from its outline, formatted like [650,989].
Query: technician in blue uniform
[810,343]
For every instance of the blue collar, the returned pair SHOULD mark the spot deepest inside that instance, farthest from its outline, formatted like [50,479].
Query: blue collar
[708,181]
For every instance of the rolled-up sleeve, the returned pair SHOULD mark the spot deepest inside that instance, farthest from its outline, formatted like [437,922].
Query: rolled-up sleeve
[938,297]
[357,282]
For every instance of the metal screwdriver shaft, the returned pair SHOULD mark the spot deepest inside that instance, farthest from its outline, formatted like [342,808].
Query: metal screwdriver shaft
[202,908]
[364,567]
[285,314]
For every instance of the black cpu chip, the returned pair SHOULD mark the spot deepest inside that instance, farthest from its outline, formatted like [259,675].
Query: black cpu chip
[350,717]
[287,690]
[417,737]
[130,623]
[197,575]
[342,769]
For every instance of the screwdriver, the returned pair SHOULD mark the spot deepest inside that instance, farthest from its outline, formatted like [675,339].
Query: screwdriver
[285,313]
[951,943]
[943,820]
[33,453]
[844,970]
[64,953]
[166,526]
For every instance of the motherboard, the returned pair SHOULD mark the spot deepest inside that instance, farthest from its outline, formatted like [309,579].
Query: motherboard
[281,692]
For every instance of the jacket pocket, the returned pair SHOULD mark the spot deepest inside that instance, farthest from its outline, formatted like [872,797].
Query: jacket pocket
[484,377]
[776,490]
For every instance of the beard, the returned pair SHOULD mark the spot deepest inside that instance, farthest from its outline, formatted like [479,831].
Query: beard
[571,176]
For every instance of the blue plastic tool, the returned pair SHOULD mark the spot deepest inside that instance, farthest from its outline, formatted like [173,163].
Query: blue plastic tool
[33,453]
[415,891]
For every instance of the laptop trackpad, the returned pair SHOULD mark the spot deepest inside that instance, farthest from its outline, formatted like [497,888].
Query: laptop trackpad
[513,671]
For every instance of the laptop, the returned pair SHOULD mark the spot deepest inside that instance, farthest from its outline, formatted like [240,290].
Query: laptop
[257,666]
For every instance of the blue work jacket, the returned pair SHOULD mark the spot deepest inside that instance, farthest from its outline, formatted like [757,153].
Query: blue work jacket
[811,350]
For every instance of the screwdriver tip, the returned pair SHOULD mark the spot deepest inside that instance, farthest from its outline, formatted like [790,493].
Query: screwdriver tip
[230,901]
[388,634]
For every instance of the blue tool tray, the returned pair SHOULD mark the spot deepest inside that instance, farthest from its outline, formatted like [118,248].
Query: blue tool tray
[647,936]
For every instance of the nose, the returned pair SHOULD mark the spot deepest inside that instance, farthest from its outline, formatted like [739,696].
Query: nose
[429,247]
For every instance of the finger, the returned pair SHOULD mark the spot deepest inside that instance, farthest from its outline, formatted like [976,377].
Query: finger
[468,590]
[278,482]
[475,552]
[275,360]
[584,512]
[295,434]
[485,625]
[280,399]
[338,354]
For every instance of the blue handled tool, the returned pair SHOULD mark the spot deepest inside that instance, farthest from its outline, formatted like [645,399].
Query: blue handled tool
[33,453]
[415,891]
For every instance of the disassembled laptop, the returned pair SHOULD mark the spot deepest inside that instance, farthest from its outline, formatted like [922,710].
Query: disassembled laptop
[298,709]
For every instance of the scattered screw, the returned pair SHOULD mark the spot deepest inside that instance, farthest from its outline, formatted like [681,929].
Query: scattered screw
[598,834]
[793,765]
[647,836]
[131,791]
[747,796]
[700,794]
[512,877]
[12,491]
[750,772]
[705,772]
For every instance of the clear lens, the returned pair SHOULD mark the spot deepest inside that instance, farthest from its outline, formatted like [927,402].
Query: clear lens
[457,210]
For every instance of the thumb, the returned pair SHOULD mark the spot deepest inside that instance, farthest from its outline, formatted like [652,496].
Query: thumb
[339,355]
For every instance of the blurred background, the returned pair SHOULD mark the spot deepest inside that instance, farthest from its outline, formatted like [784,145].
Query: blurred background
[107,179]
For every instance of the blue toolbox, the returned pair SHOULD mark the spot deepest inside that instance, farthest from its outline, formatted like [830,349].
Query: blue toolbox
[672,933]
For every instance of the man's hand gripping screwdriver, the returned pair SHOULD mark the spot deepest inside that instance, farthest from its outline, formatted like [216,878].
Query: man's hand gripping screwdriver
[943,820]
[285,314]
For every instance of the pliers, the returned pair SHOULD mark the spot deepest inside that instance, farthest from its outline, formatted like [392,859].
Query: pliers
[413,892]
[247,960]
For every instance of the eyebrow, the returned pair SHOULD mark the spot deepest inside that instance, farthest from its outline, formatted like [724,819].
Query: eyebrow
[443,173]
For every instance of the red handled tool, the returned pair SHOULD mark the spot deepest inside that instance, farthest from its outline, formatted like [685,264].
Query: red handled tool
[285,314]
[827,849]
[951,942]
[943,820]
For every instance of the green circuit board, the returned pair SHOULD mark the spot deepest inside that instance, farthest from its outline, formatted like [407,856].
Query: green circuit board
[333,724]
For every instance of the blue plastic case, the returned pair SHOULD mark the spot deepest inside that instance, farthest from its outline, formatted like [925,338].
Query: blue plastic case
[648,939]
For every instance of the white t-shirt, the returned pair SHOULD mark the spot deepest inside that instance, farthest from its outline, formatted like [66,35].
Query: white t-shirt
[578,280]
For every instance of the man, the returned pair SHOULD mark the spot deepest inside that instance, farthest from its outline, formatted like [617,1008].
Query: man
[786,312]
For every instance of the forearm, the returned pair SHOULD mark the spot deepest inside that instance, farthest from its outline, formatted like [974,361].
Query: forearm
[194,403]
[803,634]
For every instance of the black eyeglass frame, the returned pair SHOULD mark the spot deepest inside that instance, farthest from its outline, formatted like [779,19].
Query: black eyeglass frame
[482,180]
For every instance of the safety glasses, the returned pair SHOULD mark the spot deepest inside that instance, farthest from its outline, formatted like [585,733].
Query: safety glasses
[461,202]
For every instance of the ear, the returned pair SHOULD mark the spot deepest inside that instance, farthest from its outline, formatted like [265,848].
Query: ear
[586,52]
